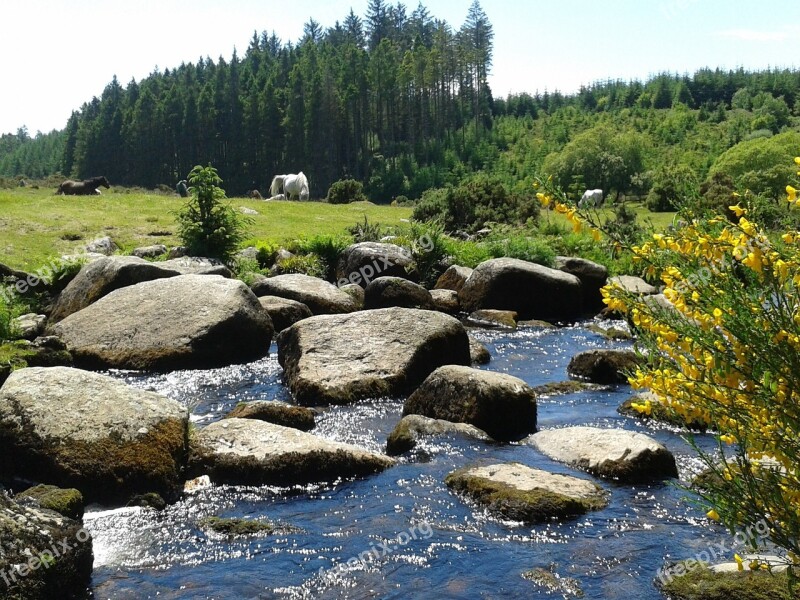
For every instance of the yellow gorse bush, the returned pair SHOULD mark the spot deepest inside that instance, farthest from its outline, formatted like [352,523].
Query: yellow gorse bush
[725,350]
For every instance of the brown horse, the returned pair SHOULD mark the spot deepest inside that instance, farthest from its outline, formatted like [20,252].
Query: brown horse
[87,187]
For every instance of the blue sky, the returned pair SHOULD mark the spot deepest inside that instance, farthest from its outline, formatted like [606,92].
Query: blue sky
[555,44]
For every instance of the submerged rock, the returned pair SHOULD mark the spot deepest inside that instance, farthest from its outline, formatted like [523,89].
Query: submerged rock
[34,562]
[234,527]
[337,359]
[318,295]
[518,492]
[189,321]
[74,428]
[603,365]
[619,454]
[501,405]
[553,583]
[405,435]
[533,291]
[272,411]
[248,451]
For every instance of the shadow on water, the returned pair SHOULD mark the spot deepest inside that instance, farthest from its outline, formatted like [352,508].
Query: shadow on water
[414,538]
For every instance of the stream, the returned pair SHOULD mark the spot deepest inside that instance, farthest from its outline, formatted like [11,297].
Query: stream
[414,537]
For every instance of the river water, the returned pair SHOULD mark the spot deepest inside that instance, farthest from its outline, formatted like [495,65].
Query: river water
[416,539]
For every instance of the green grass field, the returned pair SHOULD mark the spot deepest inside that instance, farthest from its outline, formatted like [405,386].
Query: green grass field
[35,224]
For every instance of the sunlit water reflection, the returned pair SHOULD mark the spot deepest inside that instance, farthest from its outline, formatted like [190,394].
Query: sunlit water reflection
[416,539]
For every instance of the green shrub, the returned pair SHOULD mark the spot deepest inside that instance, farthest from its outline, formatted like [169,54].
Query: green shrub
[345,191]
[366,231]
[531,249]
[328,248]
[307,264]
[207,225]
[671,186]
[429,251]
[473,204]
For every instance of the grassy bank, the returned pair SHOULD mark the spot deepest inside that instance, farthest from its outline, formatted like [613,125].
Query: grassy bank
[35,224]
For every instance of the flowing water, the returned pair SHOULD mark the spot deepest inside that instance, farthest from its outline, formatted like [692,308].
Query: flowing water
[415,539]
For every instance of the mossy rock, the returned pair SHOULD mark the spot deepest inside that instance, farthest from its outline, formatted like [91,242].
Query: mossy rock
[702,583]
[235,527]
[148,500]
[553,583]
[535,497]
[67,502]
[279,413]
[610,333]
[30,567]
[659,413]
[558,388]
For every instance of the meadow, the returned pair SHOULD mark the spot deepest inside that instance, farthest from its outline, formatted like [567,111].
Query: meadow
[35,224]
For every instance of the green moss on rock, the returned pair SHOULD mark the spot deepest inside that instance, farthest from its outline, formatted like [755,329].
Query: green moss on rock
[67,502]
[236,527]
[701,583]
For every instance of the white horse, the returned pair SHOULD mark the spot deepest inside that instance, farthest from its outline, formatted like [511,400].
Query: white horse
[293,185]
[591,198]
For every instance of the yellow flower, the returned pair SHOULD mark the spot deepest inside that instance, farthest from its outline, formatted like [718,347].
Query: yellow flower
[727,438]
[797,160]
[738,210]
[791,193]
[713,515]
[739,562]
[596,236]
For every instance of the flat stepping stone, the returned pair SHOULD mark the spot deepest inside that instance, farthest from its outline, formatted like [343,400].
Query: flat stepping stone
[521,493]
[626,456]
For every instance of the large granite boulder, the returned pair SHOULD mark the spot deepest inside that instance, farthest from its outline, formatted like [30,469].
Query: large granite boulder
[411,428]
[101,277]
[75,428]
[336,359]
[249,451]
[321,297]
[533,291]
[361,263]
[619,454]
[593,277]
[518,492]
[602,365]
[387,291]
[283,311]
[502,405]
[43,555]
[453,278]
[188,321]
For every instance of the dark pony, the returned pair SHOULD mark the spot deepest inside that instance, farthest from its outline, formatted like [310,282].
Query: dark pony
[87,187]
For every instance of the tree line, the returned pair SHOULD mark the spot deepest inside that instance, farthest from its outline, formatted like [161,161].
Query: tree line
[354,100]
[400,102]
